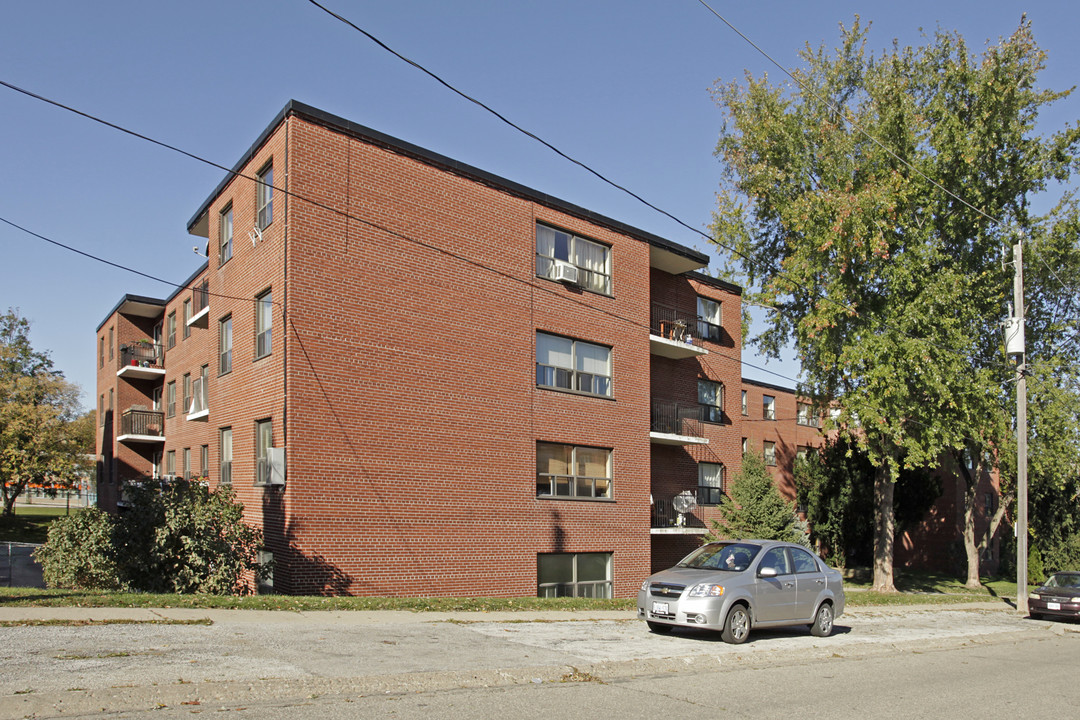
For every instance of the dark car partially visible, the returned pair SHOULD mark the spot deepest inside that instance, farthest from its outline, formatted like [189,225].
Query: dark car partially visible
[1059,596]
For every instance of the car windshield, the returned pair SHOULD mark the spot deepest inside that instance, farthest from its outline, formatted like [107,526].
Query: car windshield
[1063,580]
[735,557]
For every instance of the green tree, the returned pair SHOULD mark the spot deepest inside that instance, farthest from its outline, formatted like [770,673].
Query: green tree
[891,288]
[756,509]
[37,409]
[1052,285]
[836,485]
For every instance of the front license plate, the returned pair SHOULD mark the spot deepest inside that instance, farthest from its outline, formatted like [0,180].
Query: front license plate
[1053,606]
[660,608]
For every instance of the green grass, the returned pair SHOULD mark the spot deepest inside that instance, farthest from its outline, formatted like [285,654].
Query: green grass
[30,524]
[920,588]
[915,589]
[30,597]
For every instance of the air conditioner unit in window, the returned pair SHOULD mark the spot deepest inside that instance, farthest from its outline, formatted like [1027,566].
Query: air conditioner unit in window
[564,272]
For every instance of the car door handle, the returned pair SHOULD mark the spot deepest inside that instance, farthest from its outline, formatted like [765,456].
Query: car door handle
[819,581]
[789,584]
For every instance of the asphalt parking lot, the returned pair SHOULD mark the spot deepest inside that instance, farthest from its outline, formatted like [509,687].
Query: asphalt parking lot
[114,658]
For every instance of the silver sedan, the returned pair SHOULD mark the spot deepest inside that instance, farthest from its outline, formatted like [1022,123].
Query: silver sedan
[732,586]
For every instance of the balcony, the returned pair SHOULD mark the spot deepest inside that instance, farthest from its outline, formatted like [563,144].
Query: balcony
[675,424]
[141,361]
[678,335]
[200,306]
[142,426]
[667,521]
[199,409]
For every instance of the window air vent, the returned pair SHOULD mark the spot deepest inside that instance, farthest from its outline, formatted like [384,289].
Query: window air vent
[564,272]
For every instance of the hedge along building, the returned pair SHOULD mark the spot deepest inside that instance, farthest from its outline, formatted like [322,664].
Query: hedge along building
[423,379]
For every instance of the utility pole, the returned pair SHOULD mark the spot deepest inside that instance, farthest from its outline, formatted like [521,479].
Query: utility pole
[1014,346]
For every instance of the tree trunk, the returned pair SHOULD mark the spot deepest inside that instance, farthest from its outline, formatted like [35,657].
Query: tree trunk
[967,489]
[884,530]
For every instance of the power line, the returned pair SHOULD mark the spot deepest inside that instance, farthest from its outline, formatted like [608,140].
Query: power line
[732,250]
[329,208]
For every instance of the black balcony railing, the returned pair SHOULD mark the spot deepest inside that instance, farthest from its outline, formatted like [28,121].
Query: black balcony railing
[671,418]
[200,298]
[142,422]
[665,516]
[147,355]
[682,327]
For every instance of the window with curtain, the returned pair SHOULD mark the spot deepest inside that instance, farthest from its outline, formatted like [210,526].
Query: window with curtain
[709,322]
[572,471]
[711,400]
[710,483]
[575,365]
[592,259]
[769,452]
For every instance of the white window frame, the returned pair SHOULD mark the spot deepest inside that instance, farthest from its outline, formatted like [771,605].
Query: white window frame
[804,415]
[554,245]
[225,235]
[264,324]
[768,452]
[573,374]
[264,440]
[225,345]
[768,407]
[225,436]
[264,197]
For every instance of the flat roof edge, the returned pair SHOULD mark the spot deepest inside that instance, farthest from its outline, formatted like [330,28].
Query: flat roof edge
[396,145]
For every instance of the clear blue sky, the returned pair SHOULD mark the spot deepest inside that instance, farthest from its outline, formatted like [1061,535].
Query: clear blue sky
[622,86]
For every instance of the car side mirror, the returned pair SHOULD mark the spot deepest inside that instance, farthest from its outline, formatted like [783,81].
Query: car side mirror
[767,572]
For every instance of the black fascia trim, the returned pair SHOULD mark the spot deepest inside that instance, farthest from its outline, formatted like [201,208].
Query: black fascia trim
[428,157]
[155,301]
[715,282]
[770,386]
[130,298]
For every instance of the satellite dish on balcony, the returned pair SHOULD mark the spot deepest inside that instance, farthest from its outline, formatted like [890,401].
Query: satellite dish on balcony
[684,502]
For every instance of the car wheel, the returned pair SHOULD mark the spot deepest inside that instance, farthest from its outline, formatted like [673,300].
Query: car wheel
[658,628]
[737,625]
[823,621]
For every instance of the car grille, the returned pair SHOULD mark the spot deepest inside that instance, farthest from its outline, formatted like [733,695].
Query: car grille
[666,590]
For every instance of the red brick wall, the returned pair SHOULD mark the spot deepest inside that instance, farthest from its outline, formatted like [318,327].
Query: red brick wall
[413,412]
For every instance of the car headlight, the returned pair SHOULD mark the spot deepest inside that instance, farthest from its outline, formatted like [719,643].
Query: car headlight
[1034,596]
[645,585]
[1075,600]
[706,590]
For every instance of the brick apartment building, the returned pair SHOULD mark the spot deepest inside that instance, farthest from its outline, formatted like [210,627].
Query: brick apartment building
[424,379]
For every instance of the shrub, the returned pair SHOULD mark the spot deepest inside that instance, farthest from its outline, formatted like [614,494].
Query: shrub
[1035,574]
[185,538]
[79,552]
[178,538]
